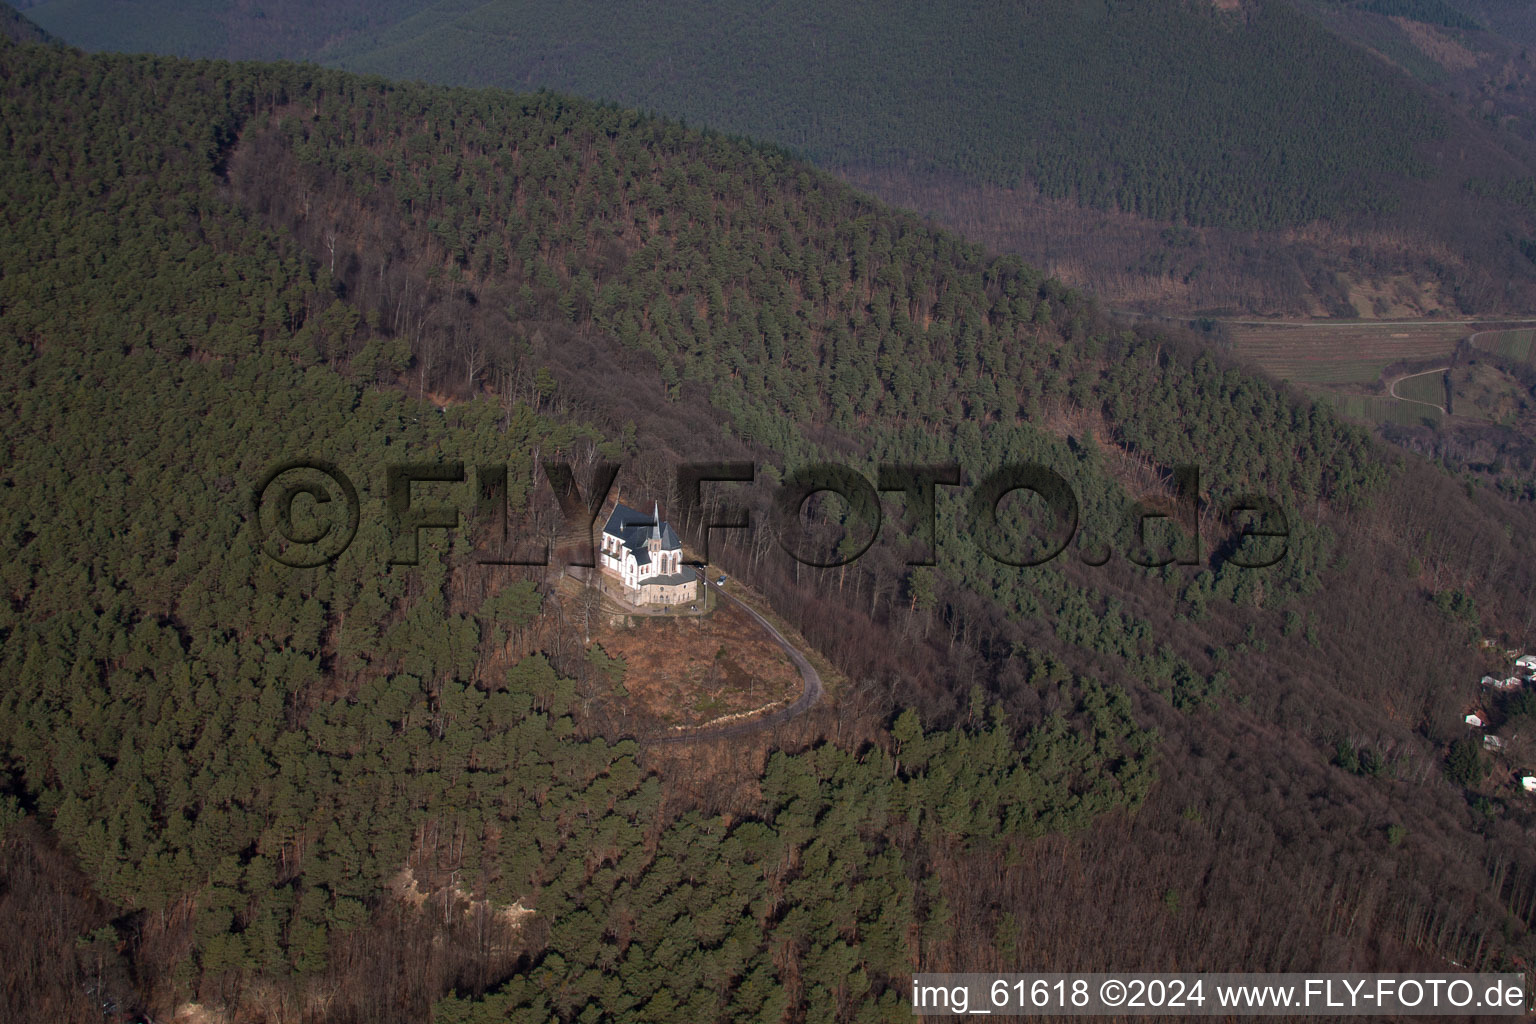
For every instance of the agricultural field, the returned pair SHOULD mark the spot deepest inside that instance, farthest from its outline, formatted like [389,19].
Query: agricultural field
[1478,392]
[1428,388]
[1514,345]
[1341,353]
[1380,409]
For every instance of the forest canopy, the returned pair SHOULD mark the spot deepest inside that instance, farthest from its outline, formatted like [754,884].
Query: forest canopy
[410,791]
[1175,111]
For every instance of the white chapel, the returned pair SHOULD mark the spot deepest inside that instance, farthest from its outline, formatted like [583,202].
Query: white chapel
[645,556]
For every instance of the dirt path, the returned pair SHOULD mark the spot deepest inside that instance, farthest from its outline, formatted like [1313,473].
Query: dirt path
[1327,322]
[809,696]
[1392,389]
[1472,338]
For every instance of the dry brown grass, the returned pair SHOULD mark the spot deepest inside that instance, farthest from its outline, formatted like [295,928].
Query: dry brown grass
[1437,45]
[690,670]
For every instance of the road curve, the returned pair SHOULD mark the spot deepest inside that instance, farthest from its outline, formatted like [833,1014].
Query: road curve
[809,696]
[1392,389]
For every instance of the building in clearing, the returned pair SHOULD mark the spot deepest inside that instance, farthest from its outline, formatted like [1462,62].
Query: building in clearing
[1503,685]
[1528,783]
[1475,720]
[644,556]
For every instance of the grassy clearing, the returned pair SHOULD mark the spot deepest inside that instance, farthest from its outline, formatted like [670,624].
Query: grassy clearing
[1485,392]
[1341,353]
[832,679]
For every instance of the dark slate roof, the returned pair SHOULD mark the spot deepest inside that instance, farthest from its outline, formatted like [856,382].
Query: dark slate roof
[633,528]
[629,525]
[683,575]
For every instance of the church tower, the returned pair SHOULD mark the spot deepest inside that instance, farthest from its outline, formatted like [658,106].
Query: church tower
[653,542]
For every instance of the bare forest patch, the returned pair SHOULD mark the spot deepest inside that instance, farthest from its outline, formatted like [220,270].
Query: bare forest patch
[1153,266]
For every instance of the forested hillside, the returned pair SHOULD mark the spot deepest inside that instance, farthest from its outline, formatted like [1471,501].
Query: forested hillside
[1172,111]
[1072,133]
[19,29]
[376,791]
[198,28]
[1476,53]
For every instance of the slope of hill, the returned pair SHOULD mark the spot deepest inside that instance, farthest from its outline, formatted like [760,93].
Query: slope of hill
[1474,53]
[1172,111]
[1075,134]
[224,766]
[19,29]
[195,28]
[240,757]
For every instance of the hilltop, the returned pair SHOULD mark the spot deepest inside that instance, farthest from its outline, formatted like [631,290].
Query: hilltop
[19,29]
